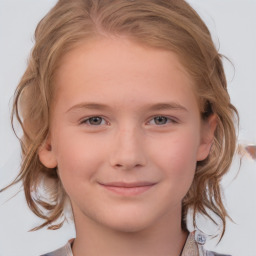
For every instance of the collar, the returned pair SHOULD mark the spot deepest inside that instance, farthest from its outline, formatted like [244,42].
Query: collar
[193,245]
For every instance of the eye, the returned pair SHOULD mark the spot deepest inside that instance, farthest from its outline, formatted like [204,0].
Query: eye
[94,121]
[162,120]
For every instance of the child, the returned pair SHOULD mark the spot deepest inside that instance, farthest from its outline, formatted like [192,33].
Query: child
[126,116]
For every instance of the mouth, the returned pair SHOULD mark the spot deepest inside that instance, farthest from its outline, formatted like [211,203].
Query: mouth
[128,189]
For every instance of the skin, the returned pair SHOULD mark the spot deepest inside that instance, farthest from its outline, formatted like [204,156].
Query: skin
[126,142]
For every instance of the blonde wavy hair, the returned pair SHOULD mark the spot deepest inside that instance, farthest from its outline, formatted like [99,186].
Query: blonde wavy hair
[166,24]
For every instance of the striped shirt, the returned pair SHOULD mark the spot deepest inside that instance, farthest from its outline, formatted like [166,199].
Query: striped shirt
[192,247]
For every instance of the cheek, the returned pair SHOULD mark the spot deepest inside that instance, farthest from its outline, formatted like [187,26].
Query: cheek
[78,157]
[178,150]
[176,157]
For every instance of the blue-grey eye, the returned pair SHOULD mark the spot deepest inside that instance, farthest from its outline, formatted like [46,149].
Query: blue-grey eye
[95,120]
[160,120]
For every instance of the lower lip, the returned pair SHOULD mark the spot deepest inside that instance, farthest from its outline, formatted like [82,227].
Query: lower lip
[130,191]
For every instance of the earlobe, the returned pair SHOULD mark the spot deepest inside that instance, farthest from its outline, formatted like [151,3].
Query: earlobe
[46,154]
[207,137]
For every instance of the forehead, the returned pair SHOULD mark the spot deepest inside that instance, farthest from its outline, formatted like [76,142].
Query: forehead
[99,67]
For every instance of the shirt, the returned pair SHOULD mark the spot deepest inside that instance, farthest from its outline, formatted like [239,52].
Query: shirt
[192,247]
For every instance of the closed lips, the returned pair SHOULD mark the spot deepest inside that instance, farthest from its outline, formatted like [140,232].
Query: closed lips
[128,185]
[128,189]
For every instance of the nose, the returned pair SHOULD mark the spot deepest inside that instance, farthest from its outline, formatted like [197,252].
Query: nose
[127,151]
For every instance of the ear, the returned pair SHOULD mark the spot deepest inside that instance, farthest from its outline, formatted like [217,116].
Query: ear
[208,128]
[46,154]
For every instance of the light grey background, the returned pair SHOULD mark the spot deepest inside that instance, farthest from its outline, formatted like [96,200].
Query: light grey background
[233,26]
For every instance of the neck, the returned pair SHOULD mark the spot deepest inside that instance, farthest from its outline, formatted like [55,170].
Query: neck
[164,238]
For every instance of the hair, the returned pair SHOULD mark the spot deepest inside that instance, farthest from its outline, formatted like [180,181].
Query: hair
[172,25]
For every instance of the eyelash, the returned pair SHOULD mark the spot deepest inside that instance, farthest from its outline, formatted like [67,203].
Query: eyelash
[171,119]
[168,120]
[90,118]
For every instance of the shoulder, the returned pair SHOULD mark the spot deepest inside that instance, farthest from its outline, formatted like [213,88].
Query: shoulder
[63,251]
[194,245]
[199,238]
[209,253]
[60,252]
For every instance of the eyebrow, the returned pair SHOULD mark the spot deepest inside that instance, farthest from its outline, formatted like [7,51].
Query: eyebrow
[154,107]
[167,106]
[91,105]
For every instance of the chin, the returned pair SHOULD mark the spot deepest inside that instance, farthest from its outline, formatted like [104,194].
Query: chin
[129,226]
[129,223]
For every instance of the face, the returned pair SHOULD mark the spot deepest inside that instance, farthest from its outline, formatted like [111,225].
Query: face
[125,133]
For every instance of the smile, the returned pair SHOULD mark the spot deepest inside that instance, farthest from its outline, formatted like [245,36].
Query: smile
[128,189]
